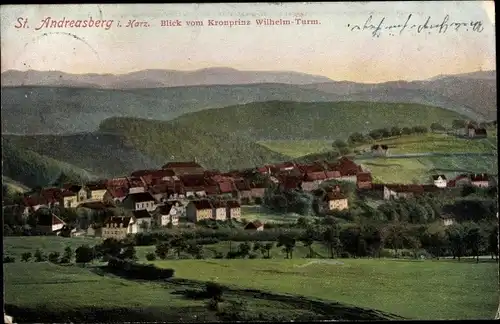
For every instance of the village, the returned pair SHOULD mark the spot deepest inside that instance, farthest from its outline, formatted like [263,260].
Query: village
[187,192]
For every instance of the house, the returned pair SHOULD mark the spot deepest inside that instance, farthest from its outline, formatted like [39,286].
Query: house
[68,199]
[94,230]
[194,185]
[447,220]
[118,227]
[115,195]
[136,185]
[96,191]
[150,177]
[233,210]
[50,196]
[313,176]
[49,223]
[336,200]
[168,214]
[243,191]
[79,191]
[289,182]
[379,150]
[139,201]
[142,220]
[473,131]
[197,210]
[254,226]
[480,180]
[159,191]
[440,181]
[364,180]
[257,191]
[183,168]
[402,191]
[226,187]
[347,169]
[118,183]
[283,167]
[480,133]
[219,210]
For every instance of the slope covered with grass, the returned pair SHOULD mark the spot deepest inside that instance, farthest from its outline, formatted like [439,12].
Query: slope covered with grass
[173,142]
[286,120]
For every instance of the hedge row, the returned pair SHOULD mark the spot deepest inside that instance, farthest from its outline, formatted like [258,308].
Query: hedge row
[135,270]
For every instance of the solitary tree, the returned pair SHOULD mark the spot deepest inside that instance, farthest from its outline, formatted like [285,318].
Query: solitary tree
[67,255]
[331,238]
[269,246]
[84,254]
[288,243]
[307,238]
[162,250]
[39,256]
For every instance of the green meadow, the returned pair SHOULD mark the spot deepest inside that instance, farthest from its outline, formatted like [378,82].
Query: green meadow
[297,148]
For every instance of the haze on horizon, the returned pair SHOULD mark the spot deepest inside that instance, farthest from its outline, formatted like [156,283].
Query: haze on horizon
[329,49]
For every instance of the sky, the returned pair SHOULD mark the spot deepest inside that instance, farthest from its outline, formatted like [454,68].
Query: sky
[329,49]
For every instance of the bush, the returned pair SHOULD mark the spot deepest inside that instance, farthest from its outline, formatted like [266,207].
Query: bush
[9,259]
[135,270]
[54,257]
[214,291]
[26,256]
[39,256]
[219,255]
[232,255]
[252,256]
[150,256]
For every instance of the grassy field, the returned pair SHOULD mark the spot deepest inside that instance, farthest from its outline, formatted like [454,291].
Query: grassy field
[413,289]
[39,292]
[408,170]
[298,148]
[430,142]
[433,142]
[259,213]
[17,245]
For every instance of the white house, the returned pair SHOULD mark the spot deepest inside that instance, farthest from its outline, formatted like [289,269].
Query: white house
[49,223]
[140,201]
[168,213]
[141,221]
[440,181]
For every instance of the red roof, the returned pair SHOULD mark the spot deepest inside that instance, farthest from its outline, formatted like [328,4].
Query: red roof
[313,176]
[226,186]
[451,183]
[34,201]
[118,182]
[67,193]
[479,177]
[212,190]
[242,185]
[364,177]
[193,180]
[159,188]
[191,164]
[118,192]
[332,174]
[291,182]
[135,182]
[157,173]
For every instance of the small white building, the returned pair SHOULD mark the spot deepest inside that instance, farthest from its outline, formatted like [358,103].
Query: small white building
[440,180]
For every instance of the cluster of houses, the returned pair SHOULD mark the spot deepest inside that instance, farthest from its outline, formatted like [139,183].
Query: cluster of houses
[186,190]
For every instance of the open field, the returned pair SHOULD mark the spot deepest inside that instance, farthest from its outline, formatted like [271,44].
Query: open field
[413,289]
[17,245]
[433,142]
[298,148]
[408,170]
[42,292]
[258,212]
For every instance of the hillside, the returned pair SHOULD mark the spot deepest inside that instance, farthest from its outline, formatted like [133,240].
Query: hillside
[57,110]
[169,142]
[156,78]
[32,169]
[292,120]
[105,155]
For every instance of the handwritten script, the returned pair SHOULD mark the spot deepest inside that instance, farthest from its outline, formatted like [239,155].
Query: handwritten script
[380,26]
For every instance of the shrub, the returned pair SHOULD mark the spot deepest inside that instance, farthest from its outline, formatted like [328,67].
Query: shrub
[214,291]
[54,257]
[252,256]
[9,259]
[135,270]
[219,255]
[39,256]
[150,256]
[26,256]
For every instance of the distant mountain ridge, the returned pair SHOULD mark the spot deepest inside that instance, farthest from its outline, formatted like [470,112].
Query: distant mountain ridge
[156,78]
